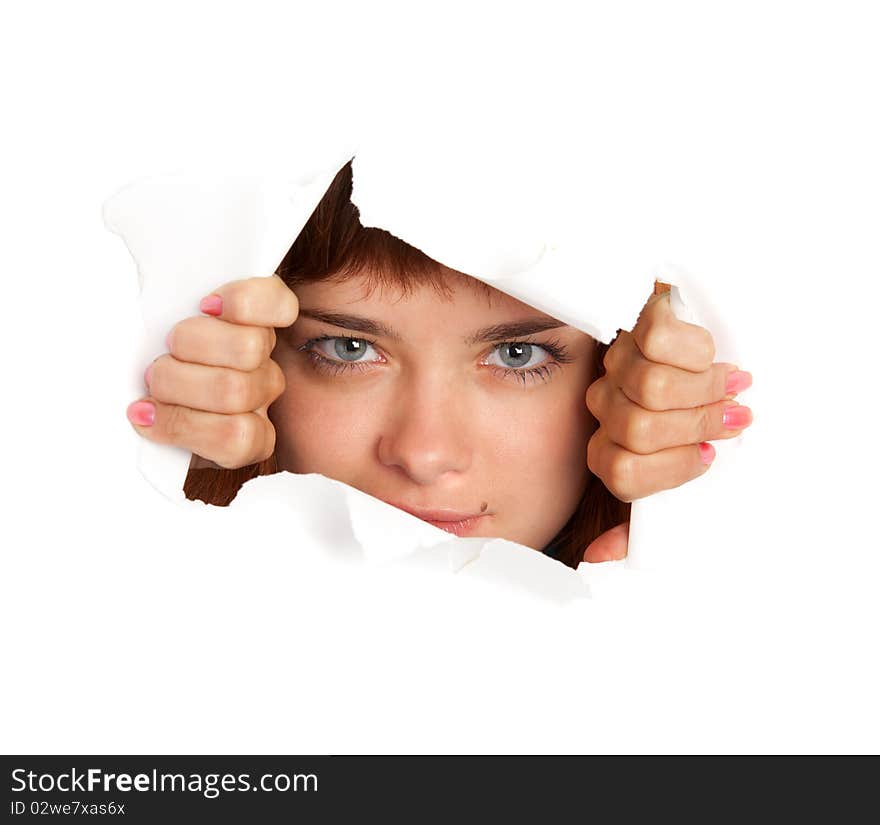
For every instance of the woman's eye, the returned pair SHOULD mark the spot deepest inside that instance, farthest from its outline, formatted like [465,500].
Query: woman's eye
[517,356]
[346,349]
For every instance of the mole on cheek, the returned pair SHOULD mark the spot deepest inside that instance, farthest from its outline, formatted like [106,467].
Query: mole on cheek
[483,506]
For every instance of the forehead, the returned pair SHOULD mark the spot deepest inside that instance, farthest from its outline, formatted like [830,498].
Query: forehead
[454,296]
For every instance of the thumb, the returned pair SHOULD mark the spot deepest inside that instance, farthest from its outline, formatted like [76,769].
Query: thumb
[610,546]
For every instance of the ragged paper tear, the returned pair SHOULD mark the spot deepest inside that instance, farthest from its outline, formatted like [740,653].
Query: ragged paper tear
[190,233]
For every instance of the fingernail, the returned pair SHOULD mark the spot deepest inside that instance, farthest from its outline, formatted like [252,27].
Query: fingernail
[738,381]
[212,305]
[707,452]
[142,413]
[736,417]
[168,341]
[147,373]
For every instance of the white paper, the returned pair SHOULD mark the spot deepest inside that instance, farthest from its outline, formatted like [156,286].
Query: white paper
[740,147]
[190,233]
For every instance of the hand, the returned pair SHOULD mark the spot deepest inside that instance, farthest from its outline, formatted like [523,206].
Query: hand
[211,392]
[660,401]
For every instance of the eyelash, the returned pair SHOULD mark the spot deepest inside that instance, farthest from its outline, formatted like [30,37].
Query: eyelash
[558,355]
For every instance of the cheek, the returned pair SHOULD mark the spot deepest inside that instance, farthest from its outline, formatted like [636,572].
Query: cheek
[545,443]
[321,431]
[539,462]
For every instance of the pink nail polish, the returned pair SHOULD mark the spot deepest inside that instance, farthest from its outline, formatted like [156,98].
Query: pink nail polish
[707,452]
[736,417]
[738,381]
[212,305]
[147,373]
[142,413]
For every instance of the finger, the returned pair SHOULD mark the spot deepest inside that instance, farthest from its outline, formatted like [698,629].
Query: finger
[629,476]
[260,302]
[664,339]
[217,343]
[612,545]
[231,441]
[662,387]
[213,389]
[643,431]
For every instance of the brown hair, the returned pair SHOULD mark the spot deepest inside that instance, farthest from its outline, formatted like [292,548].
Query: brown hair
[334,243]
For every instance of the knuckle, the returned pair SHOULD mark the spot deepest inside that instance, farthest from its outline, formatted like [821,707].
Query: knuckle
[239,438]
[268,441]
[615,353]
[233,390]
[277,381]
[252,348]
[706,349]
[286,301]
[292,306]
[609,357]
[244,303]
[654,342]
[653,387]
[637,432]
[594,396]
[236,299]
[187,335]
[621,475]
[268,337]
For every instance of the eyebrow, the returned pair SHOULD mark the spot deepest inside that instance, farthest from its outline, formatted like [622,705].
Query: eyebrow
[512,331]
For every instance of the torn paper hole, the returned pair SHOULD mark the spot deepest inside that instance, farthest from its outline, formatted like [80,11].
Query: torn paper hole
[188,234]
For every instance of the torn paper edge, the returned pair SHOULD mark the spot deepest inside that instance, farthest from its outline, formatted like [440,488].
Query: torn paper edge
[165,468]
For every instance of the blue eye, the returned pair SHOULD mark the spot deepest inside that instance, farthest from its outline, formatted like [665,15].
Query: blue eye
[514,355]
[344,349]
[336,355]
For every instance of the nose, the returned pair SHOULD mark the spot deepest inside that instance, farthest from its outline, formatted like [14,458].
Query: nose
[427,438]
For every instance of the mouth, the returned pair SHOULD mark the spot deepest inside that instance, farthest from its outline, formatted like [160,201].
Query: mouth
[457,522]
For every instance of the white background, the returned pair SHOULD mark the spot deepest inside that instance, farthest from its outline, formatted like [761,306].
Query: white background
[129,625]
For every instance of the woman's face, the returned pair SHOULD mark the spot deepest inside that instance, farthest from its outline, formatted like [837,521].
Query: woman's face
[467,412]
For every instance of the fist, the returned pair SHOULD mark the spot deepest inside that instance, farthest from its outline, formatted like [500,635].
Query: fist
[210,393]
[660,401]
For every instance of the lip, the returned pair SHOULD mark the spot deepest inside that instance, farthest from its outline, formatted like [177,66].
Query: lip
[458,522]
